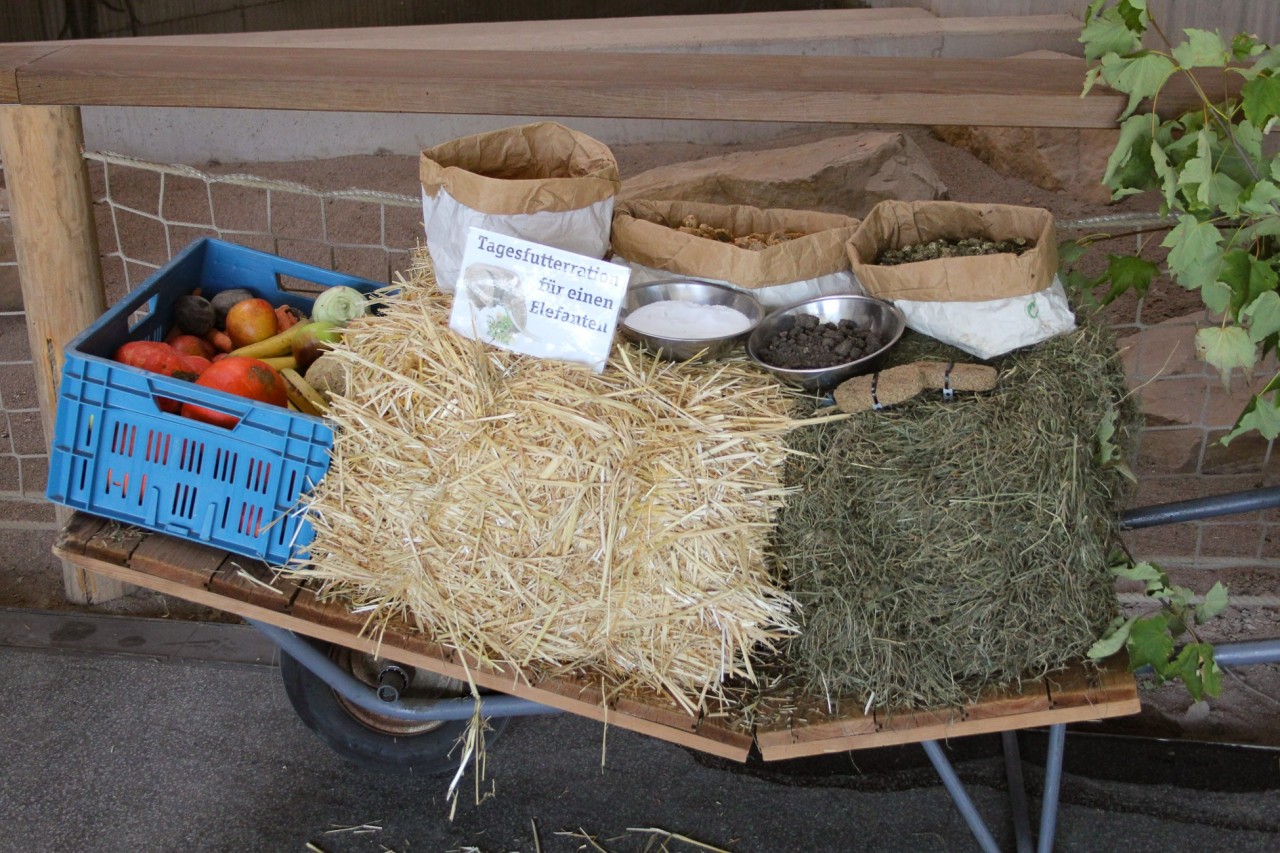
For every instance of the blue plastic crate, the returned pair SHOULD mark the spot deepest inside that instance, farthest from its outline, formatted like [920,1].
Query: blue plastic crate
[116,454]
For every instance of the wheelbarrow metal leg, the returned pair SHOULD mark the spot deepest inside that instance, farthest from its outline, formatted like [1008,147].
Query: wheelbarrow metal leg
[1017,791]
[960,797]
[1052,787]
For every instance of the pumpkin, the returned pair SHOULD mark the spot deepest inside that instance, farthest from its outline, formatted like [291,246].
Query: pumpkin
[194,364]
[191,345]
[243,377]
[158,357]
[154,356]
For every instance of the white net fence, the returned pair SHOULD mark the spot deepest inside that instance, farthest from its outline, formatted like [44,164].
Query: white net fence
[156,209]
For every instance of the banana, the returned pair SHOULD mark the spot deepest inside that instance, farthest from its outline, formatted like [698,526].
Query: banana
[302,395]
[276,346]
[281,362]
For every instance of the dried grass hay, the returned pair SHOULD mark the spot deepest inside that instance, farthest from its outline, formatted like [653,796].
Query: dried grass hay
[533,513]
[937,549]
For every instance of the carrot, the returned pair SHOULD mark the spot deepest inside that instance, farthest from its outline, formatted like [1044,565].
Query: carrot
[286,316]
[221,340]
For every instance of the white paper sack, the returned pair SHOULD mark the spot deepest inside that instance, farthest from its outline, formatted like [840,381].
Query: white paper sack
[447,222]
[995,327]
[772,296]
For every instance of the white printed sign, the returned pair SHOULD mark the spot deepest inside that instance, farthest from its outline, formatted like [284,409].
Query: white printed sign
[537,300]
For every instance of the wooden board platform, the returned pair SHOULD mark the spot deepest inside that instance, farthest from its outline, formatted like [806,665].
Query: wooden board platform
[799,726]
[248,589]
[1075,695]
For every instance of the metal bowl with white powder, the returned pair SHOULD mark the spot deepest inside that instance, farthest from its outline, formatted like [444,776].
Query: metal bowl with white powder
[683,320]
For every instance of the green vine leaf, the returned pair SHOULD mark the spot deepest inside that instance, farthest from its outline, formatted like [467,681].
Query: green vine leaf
[1202,49]
[1134,14]
[1249,137]
[1248,279]
[1109,453]
[1113,639]
[1263,314]
[1221,191]
[1150,644]
[1139,572]
[1212,188]
[1128,273]
[1194,258]
[1226,348]
[1262,199]
[1244,46]
[1140,76]
[1129,166]
[1217,296]
[1197,669]
[1260,98]
[1199,168]
[1215,601]
[1165,172]
[1107,32]
[1260,414]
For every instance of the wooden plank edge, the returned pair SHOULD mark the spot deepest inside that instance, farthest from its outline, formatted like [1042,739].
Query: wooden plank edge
[1075,714]
[115,542]
[775,739]
[78,532]
[1034,696]
[252,581]
[176,559]
[735,751]
[14,57]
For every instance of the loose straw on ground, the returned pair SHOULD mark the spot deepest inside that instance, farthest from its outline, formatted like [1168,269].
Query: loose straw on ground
[533,513]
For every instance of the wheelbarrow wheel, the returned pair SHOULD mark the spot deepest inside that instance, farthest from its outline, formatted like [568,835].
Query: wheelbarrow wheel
[429,747]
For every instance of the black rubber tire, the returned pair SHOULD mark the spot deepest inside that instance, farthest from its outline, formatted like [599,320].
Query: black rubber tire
[427,754]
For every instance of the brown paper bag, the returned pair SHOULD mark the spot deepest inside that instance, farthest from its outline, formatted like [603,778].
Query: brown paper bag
[645,235]
[540,182]
[524,169]
[895,224]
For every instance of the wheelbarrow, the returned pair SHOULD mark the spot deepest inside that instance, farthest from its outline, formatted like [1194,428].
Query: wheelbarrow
[398,703]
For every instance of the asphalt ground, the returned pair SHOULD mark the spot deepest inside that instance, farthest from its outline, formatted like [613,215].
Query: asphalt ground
[133,735]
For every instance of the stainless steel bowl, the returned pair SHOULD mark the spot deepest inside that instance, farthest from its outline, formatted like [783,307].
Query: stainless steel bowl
[871,314]
[701,292]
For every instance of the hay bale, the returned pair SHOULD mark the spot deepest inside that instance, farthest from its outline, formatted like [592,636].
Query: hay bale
[532,513]
[937,549]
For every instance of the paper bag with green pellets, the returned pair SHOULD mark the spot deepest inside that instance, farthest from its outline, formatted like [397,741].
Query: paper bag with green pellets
[985,304]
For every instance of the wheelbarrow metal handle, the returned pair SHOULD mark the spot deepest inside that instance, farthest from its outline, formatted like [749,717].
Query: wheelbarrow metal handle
[408,709]
[1198,508]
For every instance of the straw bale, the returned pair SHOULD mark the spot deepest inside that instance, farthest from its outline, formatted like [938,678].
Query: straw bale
[535,514]
[936,549]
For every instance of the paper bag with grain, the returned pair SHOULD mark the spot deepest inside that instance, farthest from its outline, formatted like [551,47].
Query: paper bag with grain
[779,256]
[541,182]
[986,305]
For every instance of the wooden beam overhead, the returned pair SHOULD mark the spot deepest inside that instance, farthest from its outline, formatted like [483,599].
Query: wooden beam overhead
[735,87]
[12,58]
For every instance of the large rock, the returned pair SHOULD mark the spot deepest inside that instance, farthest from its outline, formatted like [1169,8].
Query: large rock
[1061,159]
[844,174]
